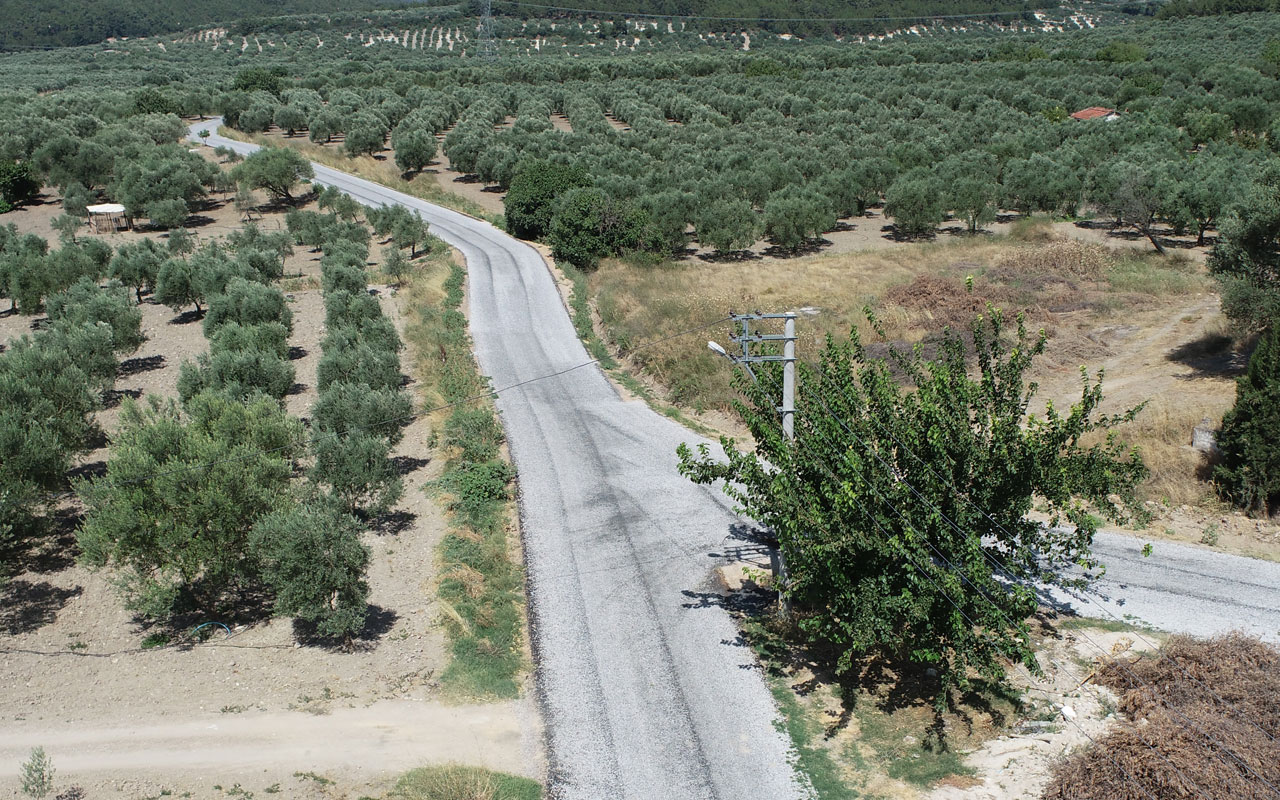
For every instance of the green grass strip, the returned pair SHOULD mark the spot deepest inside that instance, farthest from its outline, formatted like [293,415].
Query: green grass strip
[481,589]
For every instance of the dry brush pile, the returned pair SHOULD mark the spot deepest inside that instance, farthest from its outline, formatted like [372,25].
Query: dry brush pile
[1199,720]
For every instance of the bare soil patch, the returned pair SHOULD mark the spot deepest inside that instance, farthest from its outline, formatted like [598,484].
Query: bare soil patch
[125,715]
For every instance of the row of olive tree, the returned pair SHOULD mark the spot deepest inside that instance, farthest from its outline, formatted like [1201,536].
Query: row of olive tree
[200,509]
[51,385]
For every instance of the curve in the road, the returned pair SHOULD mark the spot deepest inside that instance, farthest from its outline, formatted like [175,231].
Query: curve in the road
[648,688]
[647,685]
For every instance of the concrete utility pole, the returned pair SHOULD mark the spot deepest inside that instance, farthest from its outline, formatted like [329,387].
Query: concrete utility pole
[788,407]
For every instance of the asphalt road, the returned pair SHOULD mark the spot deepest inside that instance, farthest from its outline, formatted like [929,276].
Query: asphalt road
[647,687]
[1180,588]
[648,691]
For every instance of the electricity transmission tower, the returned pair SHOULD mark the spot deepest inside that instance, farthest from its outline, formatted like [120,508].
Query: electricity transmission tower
[487,48]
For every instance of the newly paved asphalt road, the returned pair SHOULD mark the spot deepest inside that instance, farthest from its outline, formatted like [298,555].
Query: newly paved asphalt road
[1181,588]
[648,690]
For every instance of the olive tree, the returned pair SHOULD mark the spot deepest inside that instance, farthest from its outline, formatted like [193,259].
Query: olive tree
[314,562]
[915,203]
[172,516]
[278,170]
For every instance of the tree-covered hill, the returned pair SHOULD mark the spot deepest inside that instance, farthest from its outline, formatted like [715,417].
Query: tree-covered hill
[58,23]
[805,16]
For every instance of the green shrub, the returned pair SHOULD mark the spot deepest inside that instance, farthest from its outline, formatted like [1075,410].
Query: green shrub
[345,406]
[475,433]
[86,302]
[242,374]
[353,361]
[314,562]
[358,470]
[346,279]
[247,303]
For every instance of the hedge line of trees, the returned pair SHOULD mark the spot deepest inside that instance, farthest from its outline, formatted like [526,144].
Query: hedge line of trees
[51,384]
[362,407]
[200,509]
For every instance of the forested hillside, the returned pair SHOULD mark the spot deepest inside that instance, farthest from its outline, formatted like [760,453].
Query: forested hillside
[808,17]
[58,23]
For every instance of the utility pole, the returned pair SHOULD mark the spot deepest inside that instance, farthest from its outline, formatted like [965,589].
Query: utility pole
[488,46]
[788,407]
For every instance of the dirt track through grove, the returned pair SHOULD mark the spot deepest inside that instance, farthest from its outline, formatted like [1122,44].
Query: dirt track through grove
[254,747]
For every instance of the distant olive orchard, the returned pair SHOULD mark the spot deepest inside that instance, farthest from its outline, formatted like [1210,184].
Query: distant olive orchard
[724,150]
[685,141]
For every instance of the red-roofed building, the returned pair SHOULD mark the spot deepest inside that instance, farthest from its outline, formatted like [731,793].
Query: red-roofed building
[1097,112]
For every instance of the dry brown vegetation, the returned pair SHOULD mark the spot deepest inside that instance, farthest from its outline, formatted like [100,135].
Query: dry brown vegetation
[1177,739]
[1067,287]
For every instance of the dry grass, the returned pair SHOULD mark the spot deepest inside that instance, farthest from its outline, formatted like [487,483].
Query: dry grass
[915,292]
[456,782]
[1172,714]
[1162,433]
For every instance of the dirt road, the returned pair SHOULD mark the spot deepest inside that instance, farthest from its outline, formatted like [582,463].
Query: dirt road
[258,749]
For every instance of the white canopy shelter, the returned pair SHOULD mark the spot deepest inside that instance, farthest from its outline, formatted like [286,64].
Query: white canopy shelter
[107,216]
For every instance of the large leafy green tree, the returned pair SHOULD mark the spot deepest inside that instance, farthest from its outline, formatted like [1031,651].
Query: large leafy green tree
[16,185]
[137,265]
[535,189]
[174,512]
[1141,195]
[900,512]
[589,225]
[161,176]
[415,148]
[247,303]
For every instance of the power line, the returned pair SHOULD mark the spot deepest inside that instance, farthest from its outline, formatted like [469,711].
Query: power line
[599,12]
[492,393]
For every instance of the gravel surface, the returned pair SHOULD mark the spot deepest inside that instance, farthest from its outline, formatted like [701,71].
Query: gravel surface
[648,689]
